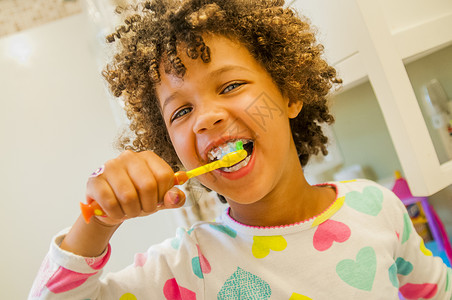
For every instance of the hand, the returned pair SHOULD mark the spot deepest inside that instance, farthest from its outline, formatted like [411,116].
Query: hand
[132,185]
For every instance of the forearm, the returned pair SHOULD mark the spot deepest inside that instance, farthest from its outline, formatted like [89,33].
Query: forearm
[88,240]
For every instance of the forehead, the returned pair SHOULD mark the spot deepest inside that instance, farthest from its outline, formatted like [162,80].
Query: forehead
[225,55]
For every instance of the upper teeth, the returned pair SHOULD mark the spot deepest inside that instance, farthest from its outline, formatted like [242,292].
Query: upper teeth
[221,150]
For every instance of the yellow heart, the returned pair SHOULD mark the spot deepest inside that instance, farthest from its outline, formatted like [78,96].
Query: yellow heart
[424,249]
[263,244]
[128,296]
[329,212]
[296,296]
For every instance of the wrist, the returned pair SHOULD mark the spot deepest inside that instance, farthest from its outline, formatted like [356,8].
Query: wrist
[100,222]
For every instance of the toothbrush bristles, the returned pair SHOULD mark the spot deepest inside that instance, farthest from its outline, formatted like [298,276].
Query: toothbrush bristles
[239,145]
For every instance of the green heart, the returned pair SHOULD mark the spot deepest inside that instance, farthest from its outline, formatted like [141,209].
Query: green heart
[370,201]
[448,279]
[393,275]
[402,267]
[407,223]
[360,273]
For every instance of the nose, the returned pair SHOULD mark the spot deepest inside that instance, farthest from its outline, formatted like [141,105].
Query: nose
[209,118]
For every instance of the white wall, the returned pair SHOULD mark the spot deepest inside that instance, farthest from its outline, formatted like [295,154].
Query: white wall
[56,127]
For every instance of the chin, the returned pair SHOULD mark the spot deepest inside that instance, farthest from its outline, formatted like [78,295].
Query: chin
[249,195]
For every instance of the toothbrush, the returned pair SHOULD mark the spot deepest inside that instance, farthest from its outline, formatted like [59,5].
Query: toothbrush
[230,159]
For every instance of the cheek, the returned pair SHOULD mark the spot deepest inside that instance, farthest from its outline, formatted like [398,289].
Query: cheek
[181,143]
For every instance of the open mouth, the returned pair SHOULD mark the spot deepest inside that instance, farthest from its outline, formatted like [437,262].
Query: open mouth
[220,151]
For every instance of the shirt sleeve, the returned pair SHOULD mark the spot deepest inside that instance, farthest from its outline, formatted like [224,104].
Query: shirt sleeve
[416,272]
[165,270]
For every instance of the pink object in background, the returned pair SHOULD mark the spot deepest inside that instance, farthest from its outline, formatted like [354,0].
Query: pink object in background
[402,190]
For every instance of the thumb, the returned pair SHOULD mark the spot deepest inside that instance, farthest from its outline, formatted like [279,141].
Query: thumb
[174,198]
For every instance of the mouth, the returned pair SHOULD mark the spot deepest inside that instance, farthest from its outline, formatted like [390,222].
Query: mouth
[218,152]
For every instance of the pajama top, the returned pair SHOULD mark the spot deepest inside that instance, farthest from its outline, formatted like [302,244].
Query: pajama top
[363,246]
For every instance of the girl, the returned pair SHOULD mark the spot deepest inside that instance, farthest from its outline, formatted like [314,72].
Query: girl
[196,77]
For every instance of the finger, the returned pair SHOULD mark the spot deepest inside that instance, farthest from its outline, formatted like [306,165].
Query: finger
[123,188]
[145,184]
[174,198]
[162,172]
[99,190]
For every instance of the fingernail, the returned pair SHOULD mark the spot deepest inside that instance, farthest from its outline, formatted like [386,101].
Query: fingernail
[175,198]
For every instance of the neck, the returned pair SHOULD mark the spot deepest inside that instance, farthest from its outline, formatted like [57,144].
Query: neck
[292,201]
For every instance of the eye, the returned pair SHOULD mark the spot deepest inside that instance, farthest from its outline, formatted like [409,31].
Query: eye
[180,113]
[231,87]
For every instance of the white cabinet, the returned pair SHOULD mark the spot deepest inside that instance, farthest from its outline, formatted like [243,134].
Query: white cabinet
[338,23]
[333,25]
[417,26]
[374,46]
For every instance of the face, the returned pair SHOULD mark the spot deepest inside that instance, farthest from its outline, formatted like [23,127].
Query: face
[228,99]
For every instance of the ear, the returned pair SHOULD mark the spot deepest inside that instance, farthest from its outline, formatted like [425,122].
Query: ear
[294,108]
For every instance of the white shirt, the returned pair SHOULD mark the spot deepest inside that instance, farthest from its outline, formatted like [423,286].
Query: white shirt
[363,246]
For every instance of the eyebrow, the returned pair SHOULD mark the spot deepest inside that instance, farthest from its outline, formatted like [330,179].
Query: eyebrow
[214,73]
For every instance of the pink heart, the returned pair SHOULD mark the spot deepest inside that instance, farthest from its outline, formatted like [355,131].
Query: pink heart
[44,274]
[418,291]
[329,232]
[173,291]
[64,280]
[140,259]
[205,265]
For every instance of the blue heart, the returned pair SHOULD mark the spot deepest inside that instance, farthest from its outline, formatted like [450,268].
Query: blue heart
[197,267]
[175,242]
[244,285]
[225,229]
[403,267]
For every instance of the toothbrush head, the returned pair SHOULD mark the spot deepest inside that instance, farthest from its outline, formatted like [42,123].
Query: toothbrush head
[228,160]
[239,145]
[234,157]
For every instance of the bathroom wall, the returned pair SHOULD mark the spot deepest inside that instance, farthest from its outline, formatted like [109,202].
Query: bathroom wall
[56,127]
[362,134]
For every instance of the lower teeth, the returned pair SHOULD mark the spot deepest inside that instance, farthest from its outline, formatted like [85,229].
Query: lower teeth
[238,166]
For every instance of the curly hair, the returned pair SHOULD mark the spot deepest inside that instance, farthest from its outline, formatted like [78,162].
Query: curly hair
[280,40]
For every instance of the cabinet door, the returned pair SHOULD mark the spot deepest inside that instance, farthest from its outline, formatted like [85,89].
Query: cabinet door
[380,53]
[418,26]
[337,25]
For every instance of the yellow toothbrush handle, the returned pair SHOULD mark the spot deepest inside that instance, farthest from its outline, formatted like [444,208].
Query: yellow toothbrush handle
[227,161]
[204,169]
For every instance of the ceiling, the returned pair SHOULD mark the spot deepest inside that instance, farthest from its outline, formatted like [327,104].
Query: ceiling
[18,15]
